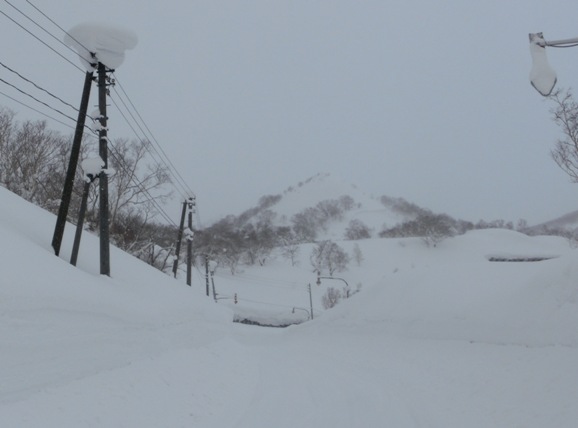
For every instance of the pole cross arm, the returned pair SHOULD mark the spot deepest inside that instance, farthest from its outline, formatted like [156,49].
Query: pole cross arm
[565,43]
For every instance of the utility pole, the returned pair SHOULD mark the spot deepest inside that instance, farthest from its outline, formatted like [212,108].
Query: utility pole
[80,223]
[213,284]
[191,204]
[190,248]
[179,239]
[103,180]
[207,273]
[72,165]
[310,299]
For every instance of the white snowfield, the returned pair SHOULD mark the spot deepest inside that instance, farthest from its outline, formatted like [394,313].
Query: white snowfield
[437,337]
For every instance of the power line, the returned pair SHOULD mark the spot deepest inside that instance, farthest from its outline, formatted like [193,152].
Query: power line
[36,110]
[161,156]
[173,168]
[36,99]
[159,161]
[38,86]
[59,27]
[41,41]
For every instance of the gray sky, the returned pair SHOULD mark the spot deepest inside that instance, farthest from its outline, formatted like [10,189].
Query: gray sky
[429,101]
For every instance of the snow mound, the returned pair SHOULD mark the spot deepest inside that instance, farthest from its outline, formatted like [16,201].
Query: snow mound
[107,43]
[455,293]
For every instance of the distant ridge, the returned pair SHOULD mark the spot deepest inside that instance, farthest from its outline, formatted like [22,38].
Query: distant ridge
[566,222]
[340,202]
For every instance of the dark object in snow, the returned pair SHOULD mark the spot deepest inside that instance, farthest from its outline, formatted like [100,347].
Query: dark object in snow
[519,258]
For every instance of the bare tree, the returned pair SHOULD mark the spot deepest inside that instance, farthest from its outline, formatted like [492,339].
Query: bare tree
[136,179]
[565,115]
[329,255]
[290,247]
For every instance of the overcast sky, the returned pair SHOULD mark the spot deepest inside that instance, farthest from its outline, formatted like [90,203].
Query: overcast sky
[429,101]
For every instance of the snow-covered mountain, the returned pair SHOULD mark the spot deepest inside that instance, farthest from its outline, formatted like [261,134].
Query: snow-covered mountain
[438,337]
[566,222]
[335,200]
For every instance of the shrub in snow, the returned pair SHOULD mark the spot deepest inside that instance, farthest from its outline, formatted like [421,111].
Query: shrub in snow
[331,298]
[356,229]
[432,228]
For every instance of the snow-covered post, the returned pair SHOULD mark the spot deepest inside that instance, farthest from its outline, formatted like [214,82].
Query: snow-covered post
[103,181]
[180,235]
[92,168]
[102,47]
[189,237]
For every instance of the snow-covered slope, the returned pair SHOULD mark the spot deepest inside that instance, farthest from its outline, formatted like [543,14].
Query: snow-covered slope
[568,222]
[438,337]
[326,187]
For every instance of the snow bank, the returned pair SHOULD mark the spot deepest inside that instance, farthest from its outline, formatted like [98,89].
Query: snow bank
[454,293]
[438,337]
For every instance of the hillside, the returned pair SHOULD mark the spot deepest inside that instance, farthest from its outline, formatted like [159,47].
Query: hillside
[438,337]
[566,222]
[335,202]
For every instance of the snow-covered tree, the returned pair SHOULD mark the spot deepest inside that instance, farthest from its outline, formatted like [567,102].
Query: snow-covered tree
[328,255]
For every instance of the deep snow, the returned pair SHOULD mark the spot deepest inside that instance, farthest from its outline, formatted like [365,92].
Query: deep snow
[437,337]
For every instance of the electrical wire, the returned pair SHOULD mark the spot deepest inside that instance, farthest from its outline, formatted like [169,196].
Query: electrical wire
[143,140]
[36,99]
[36,110]
[183,182]
[59,27]
[41,41]
[38,86]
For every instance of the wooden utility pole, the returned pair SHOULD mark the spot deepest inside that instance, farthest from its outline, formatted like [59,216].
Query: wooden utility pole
[80,223]
[310,299]
[207,273]
[103,180]
[72,165]
[179,239]
[190,246]
[213,284]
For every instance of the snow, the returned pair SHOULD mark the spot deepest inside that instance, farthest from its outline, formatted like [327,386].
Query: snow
[542,76]
[108,43]
[92,166]
[437,337]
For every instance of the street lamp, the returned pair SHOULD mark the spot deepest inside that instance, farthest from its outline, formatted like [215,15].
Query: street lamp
[542,76]
[319,278]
